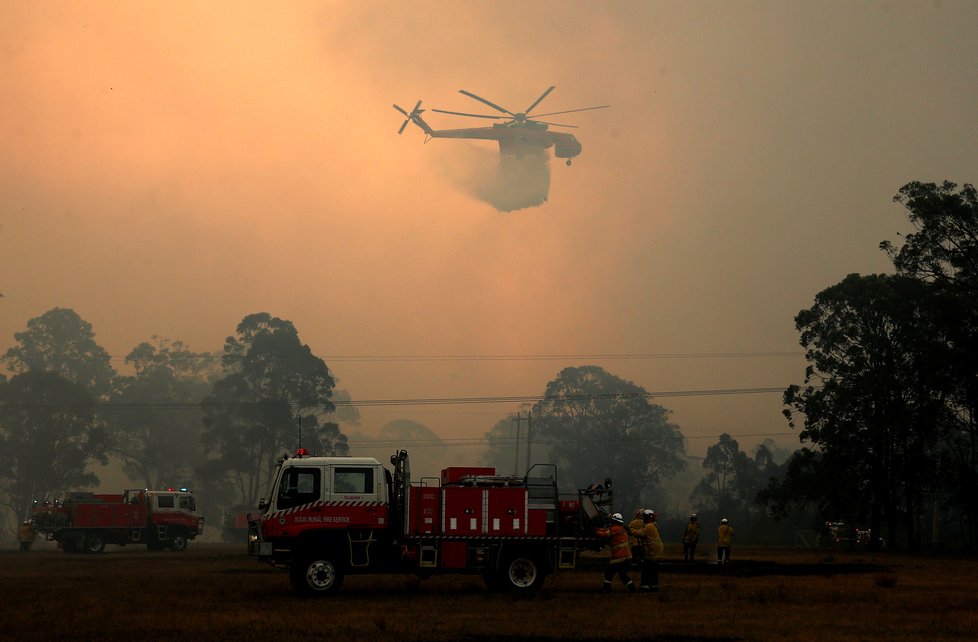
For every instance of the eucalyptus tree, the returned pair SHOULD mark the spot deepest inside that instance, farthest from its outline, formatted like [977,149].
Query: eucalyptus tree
[274,395]
[872,392]
[597,425]
[155,413]
[49,436]
[942,251]
[61,342]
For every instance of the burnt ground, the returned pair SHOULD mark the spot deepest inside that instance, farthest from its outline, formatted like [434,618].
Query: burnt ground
[756,568]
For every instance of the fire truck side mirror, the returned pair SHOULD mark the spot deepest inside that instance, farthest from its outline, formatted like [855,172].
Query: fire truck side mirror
[262,504]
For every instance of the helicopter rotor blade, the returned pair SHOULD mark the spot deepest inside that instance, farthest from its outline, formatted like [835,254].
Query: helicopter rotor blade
[403,125]
[568,111]
[554,124]
[485,102]
[400,110]
[459,113]
[539,100]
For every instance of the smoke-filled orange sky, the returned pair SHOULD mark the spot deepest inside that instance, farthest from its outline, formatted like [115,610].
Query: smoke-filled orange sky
[167,169]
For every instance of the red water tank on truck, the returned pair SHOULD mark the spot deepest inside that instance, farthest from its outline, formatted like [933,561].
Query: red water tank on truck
[84,521]
[328,517]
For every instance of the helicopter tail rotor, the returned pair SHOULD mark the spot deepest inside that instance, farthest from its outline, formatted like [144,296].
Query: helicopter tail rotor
[408,117]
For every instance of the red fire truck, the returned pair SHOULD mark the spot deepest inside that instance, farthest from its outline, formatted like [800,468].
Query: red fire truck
[328,517]
[86,522]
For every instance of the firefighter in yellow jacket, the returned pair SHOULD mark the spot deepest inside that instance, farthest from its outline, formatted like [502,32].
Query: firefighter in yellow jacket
[634,525]
[691,538]
[652,548]
[26,534]
[725,536]
[621,552]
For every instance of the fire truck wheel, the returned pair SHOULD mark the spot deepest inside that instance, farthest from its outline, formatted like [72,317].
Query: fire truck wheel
[94,543]
[315,575]
[177,543]
[521,574]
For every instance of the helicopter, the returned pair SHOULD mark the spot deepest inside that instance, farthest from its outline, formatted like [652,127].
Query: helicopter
[518,135]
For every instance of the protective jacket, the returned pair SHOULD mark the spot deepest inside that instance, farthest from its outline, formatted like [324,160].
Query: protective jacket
[692,534]
[634,525]
[650,540]
[725,535]
[617,541]
[25,533]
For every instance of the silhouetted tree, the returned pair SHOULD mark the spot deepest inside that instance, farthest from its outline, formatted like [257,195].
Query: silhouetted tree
[943,252]
[270,378]
[59,341]
[155,414]
[732,485]
[48,437]
[599,425]
[871,394]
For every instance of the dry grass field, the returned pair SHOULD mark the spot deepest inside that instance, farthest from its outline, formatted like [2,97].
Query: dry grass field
[216,592]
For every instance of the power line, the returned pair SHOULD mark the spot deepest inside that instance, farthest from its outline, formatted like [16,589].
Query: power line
[396,358]
[562,357]
[436,401]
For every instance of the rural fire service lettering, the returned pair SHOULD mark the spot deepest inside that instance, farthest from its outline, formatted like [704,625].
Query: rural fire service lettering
[322,519]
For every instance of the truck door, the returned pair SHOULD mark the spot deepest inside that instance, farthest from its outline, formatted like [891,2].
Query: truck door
[359,492]
[299,485]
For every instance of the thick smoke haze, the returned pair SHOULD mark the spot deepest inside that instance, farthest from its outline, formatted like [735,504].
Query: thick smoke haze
[504,181]
[168,169]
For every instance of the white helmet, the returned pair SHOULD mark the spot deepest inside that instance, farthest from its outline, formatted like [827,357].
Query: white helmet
[723,521]
[649,513]
[616,517]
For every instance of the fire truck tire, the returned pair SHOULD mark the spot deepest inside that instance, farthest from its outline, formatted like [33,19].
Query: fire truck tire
[177,543]
[521,574]
[315,575]
[94,542]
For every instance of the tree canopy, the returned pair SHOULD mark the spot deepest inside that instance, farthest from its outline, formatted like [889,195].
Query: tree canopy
[270,378]
[598,425]
[60,341]
[155,413]
[48,438]
[891,389]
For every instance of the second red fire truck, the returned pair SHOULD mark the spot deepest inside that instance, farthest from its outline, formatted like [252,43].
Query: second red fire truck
[86,522]
[328,517]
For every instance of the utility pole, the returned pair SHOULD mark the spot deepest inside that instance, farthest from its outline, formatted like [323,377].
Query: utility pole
[298,426]
[516,463]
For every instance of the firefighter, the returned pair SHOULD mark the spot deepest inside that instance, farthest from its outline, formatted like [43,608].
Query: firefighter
[652,548]
[725,536]
[691,538]
[26,534]
[617,538]
[634,525]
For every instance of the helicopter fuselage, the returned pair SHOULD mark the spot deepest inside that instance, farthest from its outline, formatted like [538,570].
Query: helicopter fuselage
[517,139]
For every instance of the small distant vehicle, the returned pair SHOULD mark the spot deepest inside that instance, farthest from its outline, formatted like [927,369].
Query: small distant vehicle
[85,522]
[520,134]
[841,534]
